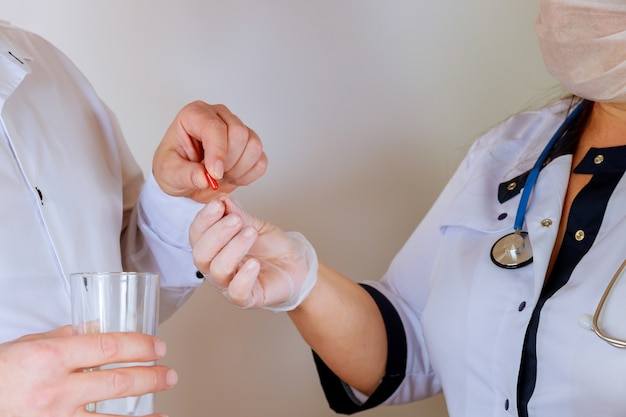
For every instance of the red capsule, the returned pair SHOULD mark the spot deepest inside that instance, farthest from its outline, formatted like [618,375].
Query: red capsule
[211,180]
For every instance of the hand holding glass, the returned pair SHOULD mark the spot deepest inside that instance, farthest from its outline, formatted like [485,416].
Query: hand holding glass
[117,302]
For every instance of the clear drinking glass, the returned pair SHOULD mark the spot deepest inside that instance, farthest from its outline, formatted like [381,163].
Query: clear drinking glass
[117,302]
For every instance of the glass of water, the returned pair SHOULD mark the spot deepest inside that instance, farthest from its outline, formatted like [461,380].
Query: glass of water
[117,302]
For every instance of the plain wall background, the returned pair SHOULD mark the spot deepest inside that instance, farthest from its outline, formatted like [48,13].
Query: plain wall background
[365,108]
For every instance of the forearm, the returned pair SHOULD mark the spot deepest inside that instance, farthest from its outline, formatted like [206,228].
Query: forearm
[343,325]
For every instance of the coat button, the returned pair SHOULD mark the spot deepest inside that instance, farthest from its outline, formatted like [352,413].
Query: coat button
[522,306]
[598,159]
[579,235]
[511,186]
[546,222]
[40,194]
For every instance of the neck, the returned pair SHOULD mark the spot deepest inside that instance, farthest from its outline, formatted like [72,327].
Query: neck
[606,126]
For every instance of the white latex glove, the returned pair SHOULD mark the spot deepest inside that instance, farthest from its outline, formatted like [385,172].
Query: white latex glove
[253,263]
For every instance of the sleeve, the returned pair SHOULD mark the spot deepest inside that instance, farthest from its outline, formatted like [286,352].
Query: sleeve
[161,223]
[155,231]
[339,395]
[401,296]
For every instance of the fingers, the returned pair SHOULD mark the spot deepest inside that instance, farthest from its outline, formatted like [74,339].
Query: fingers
[99,385]
[207,217]
[59,332]
[89,351]
[219,252]
[237,137]
[226,263]
[241,290]
[245,156]
[92,351]
[207,137]
[223,135]
[47,370]
[214,211]
[208,125]
[243,174]
[221,242]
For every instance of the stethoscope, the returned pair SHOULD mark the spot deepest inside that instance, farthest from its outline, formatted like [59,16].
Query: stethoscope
[513,250]
[590,322]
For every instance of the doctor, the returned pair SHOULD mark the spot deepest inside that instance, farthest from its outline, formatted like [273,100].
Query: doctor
[500,326]
[74,199]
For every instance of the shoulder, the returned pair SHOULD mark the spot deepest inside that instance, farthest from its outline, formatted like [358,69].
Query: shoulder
[20,35]
[533,123]
[30,45]
[520,137]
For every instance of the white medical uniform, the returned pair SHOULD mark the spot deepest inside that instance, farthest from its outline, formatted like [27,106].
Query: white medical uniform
[72,197]
[465,319]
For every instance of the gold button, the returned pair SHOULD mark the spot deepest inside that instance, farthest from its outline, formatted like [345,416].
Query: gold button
[511,186]
[598,159]
[580,235]
[546,222]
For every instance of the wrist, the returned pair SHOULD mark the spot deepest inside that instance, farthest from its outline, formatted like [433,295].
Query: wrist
[305,273]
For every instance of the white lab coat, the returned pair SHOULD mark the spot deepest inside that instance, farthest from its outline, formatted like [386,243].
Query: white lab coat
[72,195]
[462,313]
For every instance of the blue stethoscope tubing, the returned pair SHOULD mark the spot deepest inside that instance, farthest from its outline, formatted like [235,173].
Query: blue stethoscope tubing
[513,250]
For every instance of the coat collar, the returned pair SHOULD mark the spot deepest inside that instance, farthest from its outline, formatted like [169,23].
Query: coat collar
[14,65]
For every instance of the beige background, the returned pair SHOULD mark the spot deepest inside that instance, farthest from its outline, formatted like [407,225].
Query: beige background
[365,108]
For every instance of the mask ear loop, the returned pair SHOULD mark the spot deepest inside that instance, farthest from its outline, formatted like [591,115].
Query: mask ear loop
[513,250]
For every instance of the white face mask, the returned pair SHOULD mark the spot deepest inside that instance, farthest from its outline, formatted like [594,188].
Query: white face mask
[584,46]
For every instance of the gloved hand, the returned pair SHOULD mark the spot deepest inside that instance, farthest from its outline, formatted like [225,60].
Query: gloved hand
[253,263]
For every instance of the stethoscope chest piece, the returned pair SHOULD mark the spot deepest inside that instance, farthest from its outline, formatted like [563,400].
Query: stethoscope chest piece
[512,251]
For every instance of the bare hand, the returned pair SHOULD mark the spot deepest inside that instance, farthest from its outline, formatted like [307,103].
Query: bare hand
[210,137]
[42,374]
